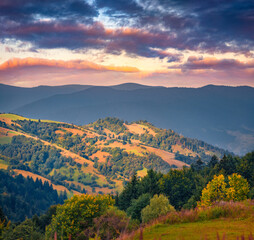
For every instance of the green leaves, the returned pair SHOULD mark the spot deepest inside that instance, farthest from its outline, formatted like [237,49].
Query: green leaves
[159,206]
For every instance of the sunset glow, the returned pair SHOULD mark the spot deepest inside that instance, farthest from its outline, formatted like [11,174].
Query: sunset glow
[98,42]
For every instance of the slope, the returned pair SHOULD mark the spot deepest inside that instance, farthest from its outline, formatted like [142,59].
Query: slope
[98,157]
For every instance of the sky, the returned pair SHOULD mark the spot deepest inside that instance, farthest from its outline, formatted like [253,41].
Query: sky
[172,43]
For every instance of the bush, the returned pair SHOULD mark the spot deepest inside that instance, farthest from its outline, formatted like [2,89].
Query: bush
[112,223]
[159,205]
[134,211]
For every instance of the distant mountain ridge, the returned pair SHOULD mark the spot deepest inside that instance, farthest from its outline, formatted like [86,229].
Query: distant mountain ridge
[219,115]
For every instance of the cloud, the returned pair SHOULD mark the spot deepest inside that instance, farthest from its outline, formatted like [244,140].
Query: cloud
[120,7]
[33,72]
[16,11]
[140,28]
[211,26]
[136,42]
[213,63]
[75,64]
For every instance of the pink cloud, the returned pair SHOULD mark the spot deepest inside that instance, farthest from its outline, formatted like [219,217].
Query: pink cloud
[73,64]
[216,64]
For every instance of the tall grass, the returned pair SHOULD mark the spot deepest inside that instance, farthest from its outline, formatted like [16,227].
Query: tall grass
[218,210]
[232,210]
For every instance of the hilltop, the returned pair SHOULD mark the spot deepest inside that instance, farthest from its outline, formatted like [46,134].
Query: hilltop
[95,158]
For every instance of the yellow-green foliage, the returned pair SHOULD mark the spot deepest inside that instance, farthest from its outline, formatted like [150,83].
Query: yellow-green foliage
[159,205]
[76,214]
[218,190]
[238,188]
[214,191]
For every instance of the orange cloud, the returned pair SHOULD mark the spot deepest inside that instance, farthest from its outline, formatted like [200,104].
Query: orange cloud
[72,64]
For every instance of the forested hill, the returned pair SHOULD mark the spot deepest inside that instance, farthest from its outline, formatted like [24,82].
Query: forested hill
[22,198]
[95,158]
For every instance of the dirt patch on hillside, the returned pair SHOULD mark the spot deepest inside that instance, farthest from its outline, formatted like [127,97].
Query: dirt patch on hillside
[140,129]
[167,157]
[60,132]
[75,131]
[131,148]
[183,151]
[101,155]
[4,132]
[89,190]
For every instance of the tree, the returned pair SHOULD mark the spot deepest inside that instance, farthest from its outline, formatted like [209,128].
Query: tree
[246,168]
[159,205]
[150,183]
[238,188]
[76,214]
[214,191]
[178,186]
[130,192]
[26,231]
[137,205]
[217,190]
[228,164]
[214,160]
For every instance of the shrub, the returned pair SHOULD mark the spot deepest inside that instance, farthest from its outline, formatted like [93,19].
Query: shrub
[112,223]
[134,211]
[159,205]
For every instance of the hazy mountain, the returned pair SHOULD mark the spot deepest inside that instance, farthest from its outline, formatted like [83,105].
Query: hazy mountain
[12,97]
[219,115]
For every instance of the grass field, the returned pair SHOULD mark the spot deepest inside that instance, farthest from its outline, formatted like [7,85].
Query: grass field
[15,117]
[142,172]
[221,221]
[3,164]
[5,140]
[227,229]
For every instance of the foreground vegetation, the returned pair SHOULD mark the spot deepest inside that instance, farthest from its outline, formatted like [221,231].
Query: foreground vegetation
[190,199]
[222,228]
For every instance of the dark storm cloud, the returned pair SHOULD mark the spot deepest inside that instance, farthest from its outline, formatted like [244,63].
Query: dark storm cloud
[150,27]
[120,7]
[96,36]
[213,26]
[21,11]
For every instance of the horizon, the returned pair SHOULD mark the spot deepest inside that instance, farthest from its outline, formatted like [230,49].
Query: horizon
[102,43]
[127,83]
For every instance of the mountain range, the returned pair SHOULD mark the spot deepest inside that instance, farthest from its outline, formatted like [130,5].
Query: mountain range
[220,115]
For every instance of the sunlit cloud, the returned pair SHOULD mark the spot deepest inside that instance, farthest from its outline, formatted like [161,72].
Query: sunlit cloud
[149,41]
[76,64]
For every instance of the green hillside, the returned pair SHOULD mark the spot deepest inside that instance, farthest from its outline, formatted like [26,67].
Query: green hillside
[95,158]
[227,229]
